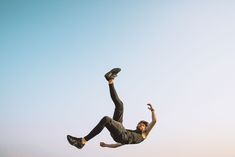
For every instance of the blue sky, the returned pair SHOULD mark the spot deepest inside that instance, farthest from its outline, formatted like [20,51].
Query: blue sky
[177,55]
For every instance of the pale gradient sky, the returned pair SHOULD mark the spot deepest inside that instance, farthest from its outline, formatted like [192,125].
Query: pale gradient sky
[177,55]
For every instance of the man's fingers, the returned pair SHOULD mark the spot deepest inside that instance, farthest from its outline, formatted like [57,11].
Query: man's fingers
[102,144]
[150,106]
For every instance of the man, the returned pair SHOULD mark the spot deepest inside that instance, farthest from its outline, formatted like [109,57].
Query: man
[118,132]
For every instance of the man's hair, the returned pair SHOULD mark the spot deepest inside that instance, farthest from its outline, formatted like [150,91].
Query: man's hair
[144,122]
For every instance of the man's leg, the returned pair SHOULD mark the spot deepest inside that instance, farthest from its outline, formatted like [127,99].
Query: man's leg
[113,125]
[115,128]
[118,112]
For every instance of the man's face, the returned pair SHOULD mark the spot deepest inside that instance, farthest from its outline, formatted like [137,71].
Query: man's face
[141,127]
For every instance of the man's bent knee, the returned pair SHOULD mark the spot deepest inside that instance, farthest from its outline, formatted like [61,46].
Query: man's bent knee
[106,119]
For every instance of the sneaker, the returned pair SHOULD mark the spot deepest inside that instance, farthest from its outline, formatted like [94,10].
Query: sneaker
[112,74]
[77,142]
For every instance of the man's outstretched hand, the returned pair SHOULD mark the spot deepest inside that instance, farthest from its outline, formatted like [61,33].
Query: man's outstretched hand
[102,144]
[153,122]
[150,107]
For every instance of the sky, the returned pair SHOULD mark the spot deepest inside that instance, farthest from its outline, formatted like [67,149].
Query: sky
[177,55]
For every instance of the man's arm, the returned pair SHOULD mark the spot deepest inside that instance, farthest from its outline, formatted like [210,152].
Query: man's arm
[102,144]
[153,122]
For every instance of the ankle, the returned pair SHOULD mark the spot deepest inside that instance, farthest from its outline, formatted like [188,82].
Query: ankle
[84,141]
[110,81]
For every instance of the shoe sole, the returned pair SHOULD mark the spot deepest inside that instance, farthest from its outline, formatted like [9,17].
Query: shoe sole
[112,72]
